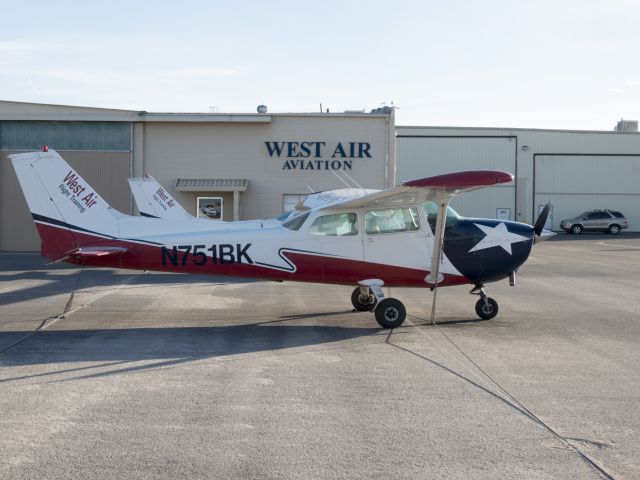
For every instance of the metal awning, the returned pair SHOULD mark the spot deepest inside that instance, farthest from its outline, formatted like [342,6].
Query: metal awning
[211,184]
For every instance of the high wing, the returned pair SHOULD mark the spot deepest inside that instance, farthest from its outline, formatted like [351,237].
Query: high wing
[440,189]
[330,197]
[429,188]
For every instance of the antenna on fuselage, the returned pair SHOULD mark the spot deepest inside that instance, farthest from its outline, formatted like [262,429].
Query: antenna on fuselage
[352,180]
[341,179]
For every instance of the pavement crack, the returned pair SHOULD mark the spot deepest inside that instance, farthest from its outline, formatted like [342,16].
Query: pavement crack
[47,322]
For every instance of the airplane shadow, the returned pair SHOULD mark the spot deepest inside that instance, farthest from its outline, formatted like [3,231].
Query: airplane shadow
[441,323]
[302,316]
[57,282]
[162,346]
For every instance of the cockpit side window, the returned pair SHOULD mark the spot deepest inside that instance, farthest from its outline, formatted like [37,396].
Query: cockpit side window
[335,225]
[391,221]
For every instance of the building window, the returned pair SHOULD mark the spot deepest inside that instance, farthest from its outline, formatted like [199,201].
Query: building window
[209,207]
[290,200]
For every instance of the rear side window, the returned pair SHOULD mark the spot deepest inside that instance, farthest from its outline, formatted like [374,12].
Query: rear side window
[617,214]
[598,215]
[391,221]
[335,225]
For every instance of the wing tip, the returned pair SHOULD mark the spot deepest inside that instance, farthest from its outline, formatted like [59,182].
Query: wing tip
[470,178]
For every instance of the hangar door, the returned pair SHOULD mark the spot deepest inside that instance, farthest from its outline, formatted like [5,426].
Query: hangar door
[425,156]
[577,183]
[99,151]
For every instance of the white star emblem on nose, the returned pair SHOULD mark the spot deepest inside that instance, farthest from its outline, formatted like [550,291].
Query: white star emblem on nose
[497,236]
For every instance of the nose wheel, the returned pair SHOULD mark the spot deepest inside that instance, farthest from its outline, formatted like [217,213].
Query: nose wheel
[390,313]
[486,307]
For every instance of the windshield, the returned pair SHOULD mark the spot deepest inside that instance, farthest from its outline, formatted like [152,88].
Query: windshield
[296,222]
[431,212]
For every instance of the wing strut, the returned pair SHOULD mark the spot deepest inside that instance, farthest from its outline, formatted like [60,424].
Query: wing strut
[435,277]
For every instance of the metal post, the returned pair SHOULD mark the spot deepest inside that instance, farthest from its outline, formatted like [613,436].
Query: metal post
[236,205]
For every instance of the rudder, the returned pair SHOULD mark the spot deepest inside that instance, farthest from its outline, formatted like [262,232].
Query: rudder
[67,211]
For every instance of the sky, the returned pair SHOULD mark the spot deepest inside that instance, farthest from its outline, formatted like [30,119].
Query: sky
[488,63]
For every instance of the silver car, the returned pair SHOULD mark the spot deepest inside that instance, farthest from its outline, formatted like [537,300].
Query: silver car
[608,221]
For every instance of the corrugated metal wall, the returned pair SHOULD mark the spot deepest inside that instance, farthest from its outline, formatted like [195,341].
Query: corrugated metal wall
[99,136]
[577,183]
[427,155]
[99,151]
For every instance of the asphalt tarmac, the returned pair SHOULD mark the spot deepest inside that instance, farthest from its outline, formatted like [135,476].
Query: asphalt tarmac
[153,376]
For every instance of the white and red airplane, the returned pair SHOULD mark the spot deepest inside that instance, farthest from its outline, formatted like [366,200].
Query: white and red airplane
[405,236]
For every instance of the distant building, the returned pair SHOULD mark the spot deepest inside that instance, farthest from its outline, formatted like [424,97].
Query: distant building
[626,126]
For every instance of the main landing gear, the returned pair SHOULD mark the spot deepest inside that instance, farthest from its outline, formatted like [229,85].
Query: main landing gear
[389,312]
[363,299]
[486,307]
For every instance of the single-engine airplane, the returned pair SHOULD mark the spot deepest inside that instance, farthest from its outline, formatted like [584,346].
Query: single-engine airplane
[404,236]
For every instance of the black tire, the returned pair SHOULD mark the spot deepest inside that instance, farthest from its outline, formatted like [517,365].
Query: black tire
[487,312]
[390,313]
[363,303]
[614,229]
[576,229]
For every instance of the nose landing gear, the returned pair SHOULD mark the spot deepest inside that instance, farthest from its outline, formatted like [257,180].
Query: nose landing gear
[486,307]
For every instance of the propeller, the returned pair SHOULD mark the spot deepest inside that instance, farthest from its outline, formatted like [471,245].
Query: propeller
[538,228]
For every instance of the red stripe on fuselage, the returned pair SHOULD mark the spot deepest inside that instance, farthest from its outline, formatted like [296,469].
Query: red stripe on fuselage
[309,267]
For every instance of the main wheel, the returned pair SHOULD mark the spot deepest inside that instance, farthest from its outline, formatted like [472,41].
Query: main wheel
[390,313]
[614,229]
[363,303]
[488,311]
[577,229]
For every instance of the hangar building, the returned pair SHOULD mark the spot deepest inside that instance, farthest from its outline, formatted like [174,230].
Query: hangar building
[254,165]
[258,165]
[575,170]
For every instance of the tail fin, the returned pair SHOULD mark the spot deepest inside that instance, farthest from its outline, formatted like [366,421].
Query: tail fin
[154,201]
[68,213]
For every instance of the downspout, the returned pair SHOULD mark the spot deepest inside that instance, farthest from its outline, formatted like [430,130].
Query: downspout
[390,161]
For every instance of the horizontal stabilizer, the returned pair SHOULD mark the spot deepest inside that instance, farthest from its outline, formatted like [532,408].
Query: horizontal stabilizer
[91,252]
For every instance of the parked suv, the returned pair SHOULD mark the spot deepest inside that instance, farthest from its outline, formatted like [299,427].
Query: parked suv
[608,221]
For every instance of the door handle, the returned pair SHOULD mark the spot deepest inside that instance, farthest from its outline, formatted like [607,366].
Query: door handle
[370,240]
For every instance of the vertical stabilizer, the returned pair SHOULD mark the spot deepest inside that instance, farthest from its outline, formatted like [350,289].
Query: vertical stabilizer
[68,212]
[153,200]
